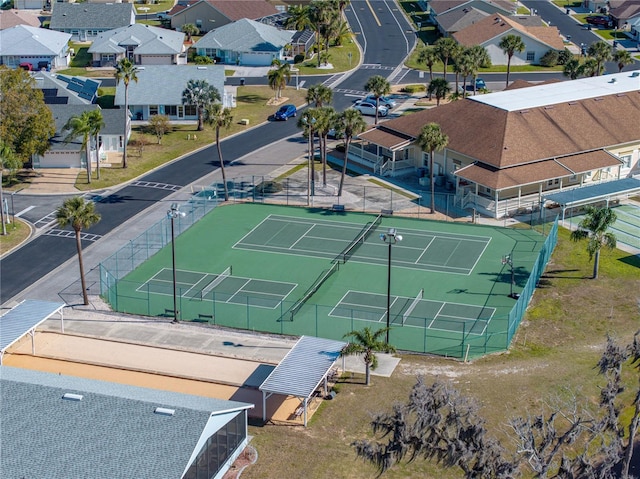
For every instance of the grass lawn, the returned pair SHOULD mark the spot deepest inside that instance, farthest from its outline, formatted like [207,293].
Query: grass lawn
[556,348]
[342,58]
[251,104]
[16,233]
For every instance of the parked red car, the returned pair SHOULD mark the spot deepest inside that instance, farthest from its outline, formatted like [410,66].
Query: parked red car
[599,20]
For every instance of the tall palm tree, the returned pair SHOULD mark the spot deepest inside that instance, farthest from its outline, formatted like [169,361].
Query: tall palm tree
[350,123]
[446,48]
[594,227]
[572,68]
[326,120]
[622,58]
[319,95]
[200,94]
[79,214]
[510,44]
[367,343]
[601,52]
[340,32]
[219,117]
[298,17]
[322,14]
[126,72]
[432,139]
[81,126]
[466,68]
[378,86]
[480,59]
[429,56]
[190,29]
[439,87]
[279,76]
[96,123]
[307,122]
[589,67]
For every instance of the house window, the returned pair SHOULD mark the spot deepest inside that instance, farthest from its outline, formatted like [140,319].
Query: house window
[153,110]
[121,145]
[531,56]
[573,178]
[171,110]
[553,182]
[626,161]
[199,24]
[190,110]
[425,159]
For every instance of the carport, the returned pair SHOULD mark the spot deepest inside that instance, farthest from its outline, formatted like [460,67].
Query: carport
[24,319]
[609,191]
[302,371]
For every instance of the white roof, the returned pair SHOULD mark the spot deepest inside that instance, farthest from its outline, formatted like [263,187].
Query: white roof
[561,92]
[26,40]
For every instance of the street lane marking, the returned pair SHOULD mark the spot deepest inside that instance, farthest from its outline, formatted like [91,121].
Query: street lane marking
[373,13]
[18,215]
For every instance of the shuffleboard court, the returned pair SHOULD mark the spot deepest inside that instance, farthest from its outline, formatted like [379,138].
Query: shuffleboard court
[223,288]
[422,250]
[414,312]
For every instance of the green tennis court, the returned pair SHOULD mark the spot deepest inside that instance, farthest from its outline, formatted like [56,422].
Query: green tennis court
[223,288]
[446,252]
[298,271]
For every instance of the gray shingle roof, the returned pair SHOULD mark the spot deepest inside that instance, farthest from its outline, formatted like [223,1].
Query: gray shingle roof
[148,40]
[164,84]
[91,15]
[26,40]
[246,36]
[112,432]
[61,115]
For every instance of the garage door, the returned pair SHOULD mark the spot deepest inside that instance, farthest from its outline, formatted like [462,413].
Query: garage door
[60,159]
[257,59]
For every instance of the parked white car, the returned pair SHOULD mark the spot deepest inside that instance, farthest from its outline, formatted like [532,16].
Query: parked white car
[367,108]
[385,101]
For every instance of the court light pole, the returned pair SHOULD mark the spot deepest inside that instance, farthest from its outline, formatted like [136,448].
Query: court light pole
[391,237]
[172,214]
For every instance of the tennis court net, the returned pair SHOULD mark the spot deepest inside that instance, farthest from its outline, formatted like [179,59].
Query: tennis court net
[314,288]
[360,239]
[215,282]
[407,314]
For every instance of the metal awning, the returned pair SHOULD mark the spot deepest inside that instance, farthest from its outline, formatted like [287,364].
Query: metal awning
[302,370]
[595,193]
[24,319]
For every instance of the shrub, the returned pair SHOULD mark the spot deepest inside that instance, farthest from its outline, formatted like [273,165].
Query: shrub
[299,58]
[549,59]
[564,56]
[268,187]
[414,88]
[202,60]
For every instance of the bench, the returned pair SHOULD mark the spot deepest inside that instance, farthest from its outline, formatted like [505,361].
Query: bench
[244,121]
[338,208]
[204,318]
[386,212]
[298,412]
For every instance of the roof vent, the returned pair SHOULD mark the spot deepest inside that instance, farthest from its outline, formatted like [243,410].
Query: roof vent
[164,411]
[202,68]
[635,74]
[548,107]
[573,103]
[72,397]
[598,99]
[524,111]
[613,80]
[140,68]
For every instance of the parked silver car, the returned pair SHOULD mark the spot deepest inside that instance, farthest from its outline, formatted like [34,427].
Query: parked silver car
[385,101]
[368,108]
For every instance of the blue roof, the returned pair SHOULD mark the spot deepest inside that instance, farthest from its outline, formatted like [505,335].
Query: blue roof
[304,367]
[18,321]
[591,194]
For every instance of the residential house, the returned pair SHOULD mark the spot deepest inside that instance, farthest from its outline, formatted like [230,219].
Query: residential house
[211,14]
[436,8]
[39,47]
[626,16]
[159,88]
[596,6]
[81,427]
[13,17]
[85,21]
[66,90]
[31,4]
[455,20]
[245,42]
[142,44]
[489,31]
[507,149]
